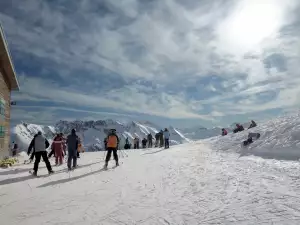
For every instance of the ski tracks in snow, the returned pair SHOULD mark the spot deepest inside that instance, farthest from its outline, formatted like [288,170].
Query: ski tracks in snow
[186,184]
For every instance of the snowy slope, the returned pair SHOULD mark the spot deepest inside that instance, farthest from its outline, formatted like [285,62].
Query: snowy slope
[186,184]
[280,139]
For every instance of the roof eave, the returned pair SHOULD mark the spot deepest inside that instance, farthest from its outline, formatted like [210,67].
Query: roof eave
[15,84]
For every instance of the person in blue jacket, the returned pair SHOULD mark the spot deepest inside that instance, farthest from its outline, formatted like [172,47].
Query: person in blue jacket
[167,137]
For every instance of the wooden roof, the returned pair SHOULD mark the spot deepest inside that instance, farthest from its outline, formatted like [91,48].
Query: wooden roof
[6,62]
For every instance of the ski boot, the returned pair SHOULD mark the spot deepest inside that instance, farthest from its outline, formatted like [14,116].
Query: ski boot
[105,166]
[117,163]
[50,172]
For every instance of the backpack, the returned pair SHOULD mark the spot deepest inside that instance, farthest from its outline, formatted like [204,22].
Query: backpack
[112,141]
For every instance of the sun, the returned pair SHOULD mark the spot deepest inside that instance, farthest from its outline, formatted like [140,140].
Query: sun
[252,22]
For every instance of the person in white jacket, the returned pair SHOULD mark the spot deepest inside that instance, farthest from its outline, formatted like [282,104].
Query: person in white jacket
[166,137]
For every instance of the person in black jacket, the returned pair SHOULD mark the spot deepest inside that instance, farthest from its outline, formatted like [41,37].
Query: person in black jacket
[39,143]
[72,142]
[29,150]
[157,135]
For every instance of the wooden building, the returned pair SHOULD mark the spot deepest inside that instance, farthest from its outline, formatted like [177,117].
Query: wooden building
[8,82]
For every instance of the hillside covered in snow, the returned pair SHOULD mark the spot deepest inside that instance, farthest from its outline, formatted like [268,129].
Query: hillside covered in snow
[280,139]
[212,181]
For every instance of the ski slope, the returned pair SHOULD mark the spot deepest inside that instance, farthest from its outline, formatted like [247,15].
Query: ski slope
[186,184]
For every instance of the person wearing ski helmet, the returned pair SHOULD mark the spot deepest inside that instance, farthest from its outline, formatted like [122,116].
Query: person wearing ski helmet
[112,146]
[72,142]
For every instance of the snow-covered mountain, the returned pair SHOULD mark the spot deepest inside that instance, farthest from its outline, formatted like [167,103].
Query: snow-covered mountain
[197,133]
[23,133]
[92,133]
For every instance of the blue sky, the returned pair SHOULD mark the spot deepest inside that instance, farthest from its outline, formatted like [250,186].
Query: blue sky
[184,63]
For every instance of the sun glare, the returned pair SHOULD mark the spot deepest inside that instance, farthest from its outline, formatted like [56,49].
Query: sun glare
[252,22]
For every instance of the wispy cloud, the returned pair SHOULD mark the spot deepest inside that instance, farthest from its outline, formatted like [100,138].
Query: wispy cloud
[201,60]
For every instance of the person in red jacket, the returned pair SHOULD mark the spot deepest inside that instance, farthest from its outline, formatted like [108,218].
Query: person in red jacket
[57,146]
[224,132]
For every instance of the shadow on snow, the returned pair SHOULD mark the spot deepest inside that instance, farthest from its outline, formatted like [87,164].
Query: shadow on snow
[29,177]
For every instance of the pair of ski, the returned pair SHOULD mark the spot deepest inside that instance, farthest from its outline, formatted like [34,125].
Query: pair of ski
[35,175]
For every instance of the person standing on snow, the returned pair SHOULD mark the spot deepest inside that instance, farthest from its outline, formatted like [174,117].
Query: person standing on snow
[166,137]
[72,142]
[64,144]
[157,135]
[127,144]
[57,146]
[161,138]
[112,146]
[29,150]
[39,143]
[149,137]
[144,143]
[14,149]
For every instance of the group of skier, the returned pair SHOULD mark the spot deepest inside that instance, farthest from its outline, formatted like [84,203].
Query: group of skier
[70,146]
[161,140]
[239,128]
[39,144]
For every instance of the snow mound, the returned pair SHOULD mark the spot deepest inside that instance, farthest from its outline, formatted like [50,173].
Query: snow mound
[280,139]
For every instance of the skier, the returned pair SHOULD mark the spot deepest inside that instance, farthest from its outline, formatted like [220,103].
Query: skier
[144,143]
[157,135]
[29,150]
[238,128]
[72,142]
[105,143]
[127,144]
[149,137]
[52,152]
[166,137]
[136,143]
[14,149]
[64,143]
[39,143]
[57,147]
[224,132]
[250,138]
[253,124]
[112,145]
[161,138]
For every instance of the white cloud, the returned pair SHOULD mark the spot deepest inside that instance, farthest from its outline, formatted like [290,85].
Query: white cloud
[128,98]
[165,42]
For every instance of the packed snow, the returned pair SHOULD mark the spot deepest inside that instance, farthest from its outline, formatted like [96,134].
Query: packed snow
[205,182]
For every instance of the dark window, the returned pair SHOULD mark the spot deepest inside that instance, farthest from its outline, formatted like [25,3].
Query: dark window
[2,131]
[2,108]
